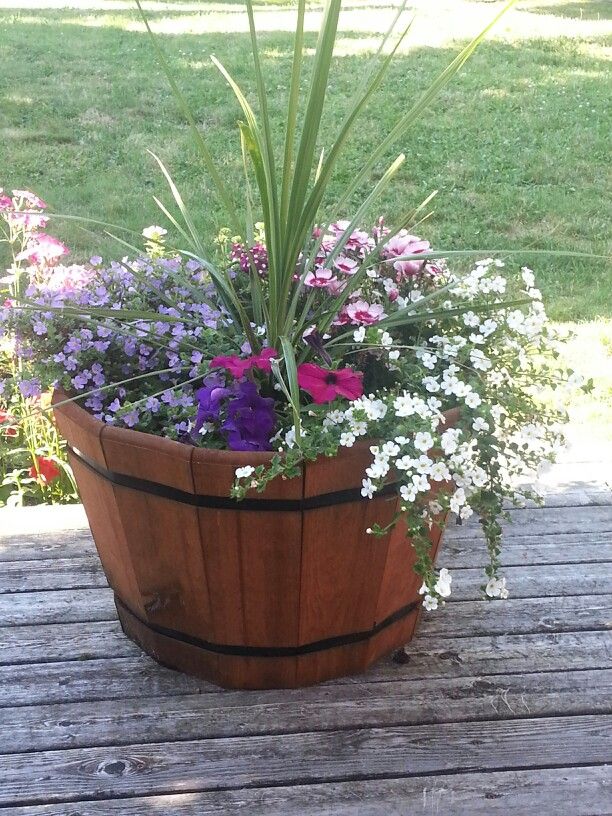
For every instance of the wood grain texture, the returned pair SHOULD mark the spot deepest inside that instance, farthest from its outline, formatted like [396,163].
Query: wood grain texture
[426,657]
[501,793]
[320,708]
[218,764]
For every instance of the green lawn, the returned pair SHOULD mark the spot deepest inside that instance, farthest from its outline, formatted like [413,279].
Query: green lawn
[518,146]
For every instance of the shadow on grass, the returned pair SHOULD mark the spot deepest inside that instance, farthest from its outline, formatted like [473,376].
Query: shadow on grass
[585,10]
[517,144]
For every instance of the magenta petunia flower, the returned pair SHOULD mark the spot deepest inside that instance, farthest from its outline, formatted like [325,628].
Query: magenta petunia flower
[238,366]
[324,384]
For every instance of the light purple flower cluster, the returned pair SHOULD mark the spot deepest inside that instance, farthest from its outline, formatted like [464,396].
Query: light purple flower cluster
[86,355]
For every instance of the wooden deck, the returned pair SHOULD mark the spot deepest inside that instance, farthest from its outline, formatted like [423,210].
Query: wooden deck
[497,708]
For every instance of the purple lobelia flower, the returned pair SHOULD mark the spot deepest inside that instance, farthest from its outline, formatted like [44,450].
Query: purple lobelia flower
[250,420]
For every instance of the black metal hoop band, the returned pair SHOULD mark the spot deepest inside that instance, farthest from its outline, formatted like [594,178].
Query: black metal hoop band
[271,651]
[225,502]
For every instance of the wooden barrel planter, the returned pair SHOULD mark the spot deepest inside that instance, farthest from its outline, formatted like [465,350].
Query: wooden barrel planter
[281,590]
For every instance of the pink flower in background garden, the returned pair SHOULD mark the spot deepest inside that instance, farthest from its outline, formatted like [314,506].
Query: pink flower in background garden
[364,314]
[43,249]
[45,472]
[320,278]
[5,201]
[30,199]
[405,244]
[7,424]
[324,384]
[238,366]
[346,265]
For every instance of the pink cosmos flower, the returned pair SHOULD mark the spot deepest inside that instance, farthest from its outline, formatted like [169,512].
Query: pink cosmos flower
[320,278]
[43,248]
[405,244]
[238,367]
[324,384]
[364,314]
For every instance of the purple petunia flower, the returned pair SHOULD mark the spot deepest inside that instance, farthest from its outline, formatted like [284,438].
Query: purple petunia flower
[210,399]
[250,420]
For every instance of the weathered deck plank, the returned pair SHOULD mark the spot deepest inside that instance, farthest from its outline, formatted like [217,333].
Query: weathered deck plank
[588,789]
[128,677]
[558,579]
[319,708]
[367,753]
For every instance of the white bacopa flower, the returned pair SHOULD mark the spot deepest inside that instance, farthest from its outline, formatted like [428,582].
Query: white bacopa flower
[359,334]
[479,360]
[431,384]
[423,464]
[488,327]
[443,584]
[374,408]
[515,320]
[408,493]
[394,354]
[390,449]
[423,441]
[378,469]
[420,483]
[385,339]
[244,472]
[496,588]
[423,588]
[450,440]
[429,360]
[430,603]
[472,400]
[480,424]
[368,489]
[528,277]
[154,233]
[347,439]
[439,472]
[495,378]
[461,389]
[471,319]
[404,405]
[457,500]
[359,427]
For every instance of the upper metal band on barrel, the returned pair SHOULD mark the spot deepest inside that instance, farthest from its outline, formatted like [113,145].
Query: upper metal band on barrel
[226,502]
